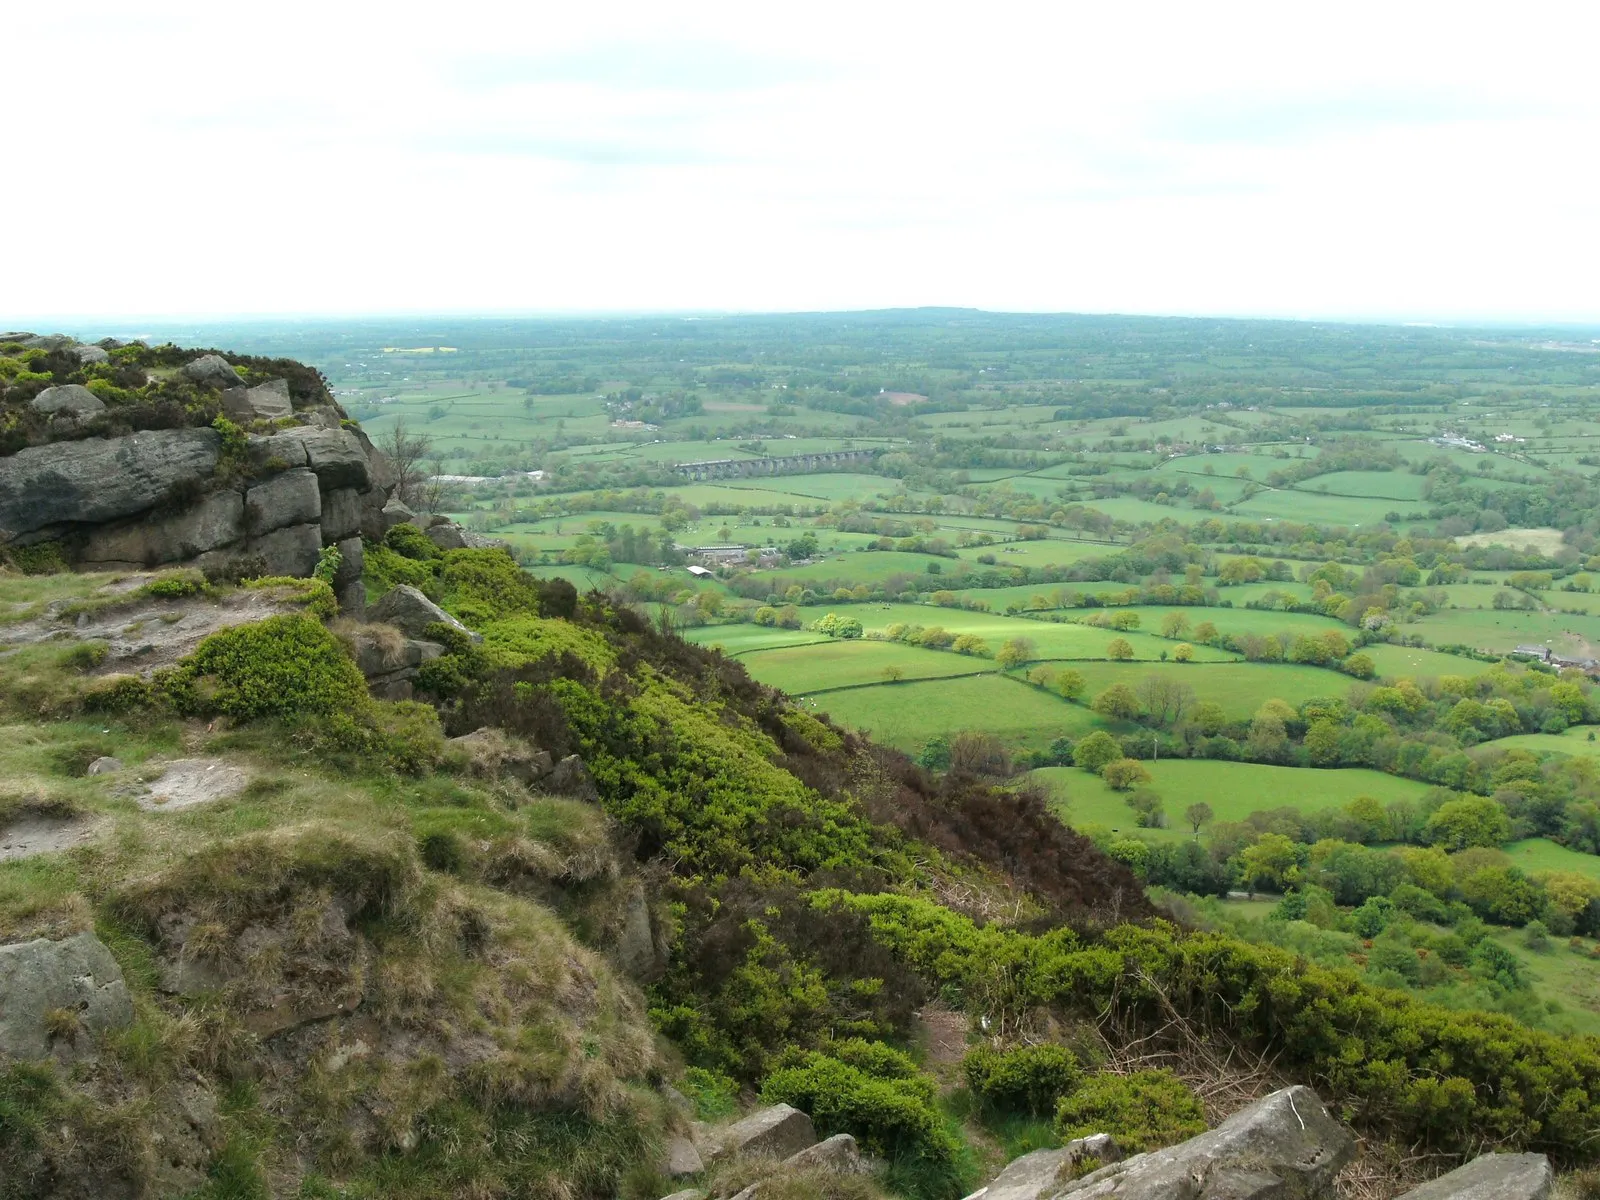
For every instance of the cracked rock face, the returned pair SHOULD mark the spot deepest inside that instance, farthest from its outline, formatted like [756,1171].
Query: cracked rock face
[56,996]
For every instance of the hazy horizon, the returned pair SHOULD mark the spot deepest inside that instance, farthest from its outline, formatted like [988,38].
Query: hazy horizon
[1374,165]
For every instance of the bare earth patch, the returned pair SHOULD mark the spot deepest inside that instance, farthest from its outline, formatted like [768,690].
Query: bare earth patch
[44,835]
[148,634]
[190,781]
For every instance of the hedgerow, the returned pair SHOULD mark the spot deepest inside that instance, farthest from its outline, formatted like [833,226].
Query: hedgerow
[1448,1080]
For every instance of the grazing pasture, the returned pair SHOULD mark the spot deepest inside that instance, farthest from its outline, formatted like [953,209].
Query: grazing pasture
[1233,790]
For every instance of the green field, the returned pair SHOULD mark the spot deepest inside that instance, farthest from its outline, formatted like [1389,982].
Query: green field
[1409,662]
[906,715]
[1580,739]
[1233,790]
[801,670]
[1239,687]
[1541,854]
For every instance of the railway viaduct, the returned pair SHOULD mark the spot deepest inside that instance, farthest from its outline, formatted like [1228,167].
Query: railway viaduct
[788,464]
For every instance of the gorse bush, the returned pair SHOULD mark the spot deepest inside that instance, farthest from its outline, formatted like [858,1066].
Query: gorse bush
[876,1094]
[1024,1079]
[1142,1111]
[285,666]
[406,540]
[1417,1072]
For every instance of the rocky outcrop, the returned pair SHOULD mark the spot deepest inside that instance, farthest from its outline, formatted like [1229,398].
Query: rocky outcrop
[336,455]
[71,398]
[775,1132]
[642,949]
[56,996]
[1283,1145]
[216,521]
[682,1159]
[1492,1177]
[97,480]
[1040,1173]
[838,1154]
[288,499]
[212,370]
[409,611]
[390,661]
[173,497]
[265,402]
[570,777]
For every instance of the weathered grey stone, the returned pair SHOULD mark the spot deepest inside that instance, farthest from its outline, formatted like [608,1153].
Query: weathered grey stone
[99,479]
[448,536]
[341,514]
[570,777]
[1492,1177]
[639,950]
[18,337]
[212,370]
[47,341]
[265,402]
[104,765]
[372,501]
[683,1159]
[411,612]
[777,1132]
[43,979]
[275,453]
[352,598]
[216,521]
[1040,1173]
[289,551]
[1284,1144]
[71,398]
[336,455]
[352,563]
[386,657]
[838,1154]
[395,513]
[686,1194]
[379,465]
[396,684]
[492,752]
[187,782]
[90,354]
[290,498]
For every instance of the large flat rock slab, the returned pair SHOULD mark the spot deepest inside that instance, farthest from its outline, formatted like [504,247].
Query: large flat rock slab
[775,1132]
[100,479]
[45,983]
[1283,1145]
[1492,1177]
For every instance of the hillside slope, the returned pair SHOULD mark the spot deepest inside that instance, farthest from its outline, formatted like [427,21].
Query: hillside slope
[262,933]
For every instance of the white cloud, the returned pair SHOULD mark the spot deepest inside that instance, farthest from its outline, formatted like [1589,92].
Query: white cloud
[1410,160]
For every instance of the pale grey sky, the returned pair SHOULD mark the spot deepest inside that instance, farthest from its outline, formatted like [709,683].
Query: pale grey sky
[1394,160]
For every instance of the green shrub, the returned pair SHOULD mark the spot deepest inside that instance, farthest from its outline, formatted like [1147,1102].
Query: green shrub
[406,540]
[894,1116]
[383,568]
[490,578]
[329,560]
[119,694]
[1143,1111]
[175,585]
[1027,1079]
[285,666]
[713,1094]
[41,558]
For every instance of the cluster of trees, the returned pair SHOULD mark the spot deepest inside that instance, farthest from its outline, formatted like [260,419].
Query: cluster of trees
[1422,730]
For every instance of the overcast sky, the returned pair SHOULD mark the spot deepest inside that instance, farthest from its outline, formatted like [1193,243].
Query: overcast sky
[1395,160]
